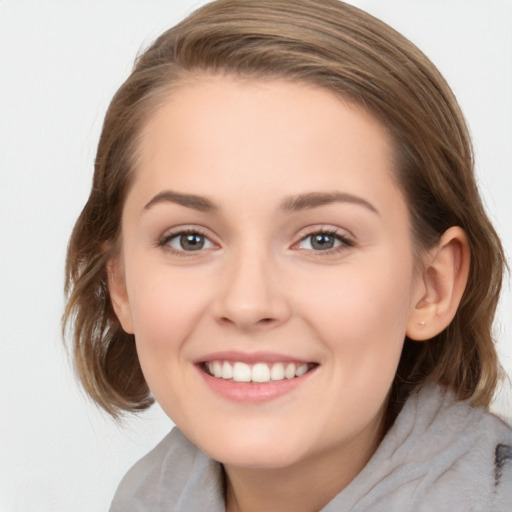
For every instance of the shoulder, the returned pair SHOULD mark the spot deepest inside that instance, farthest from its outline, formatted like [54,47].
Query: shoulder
[441,454]
[175,475]
[463,454]
[471,462]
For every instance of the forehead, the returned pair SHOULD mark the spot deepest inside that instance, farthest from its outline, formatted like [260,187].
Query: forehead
[228,135]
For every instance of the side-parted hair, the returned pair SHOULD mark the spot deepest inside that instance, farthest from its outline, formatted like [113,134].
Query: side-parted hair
[341,49]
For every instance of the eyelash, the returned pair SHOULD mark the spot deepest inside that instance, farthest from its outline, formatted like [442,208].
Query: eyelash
[345,241]
[163,242]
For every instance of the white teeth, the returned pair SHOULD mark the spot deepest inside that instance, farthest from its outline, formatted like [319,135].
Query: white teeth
[217,369]
[227,371]
[277,371]
[259,372]
[301,370]
[289,371]
[241,372]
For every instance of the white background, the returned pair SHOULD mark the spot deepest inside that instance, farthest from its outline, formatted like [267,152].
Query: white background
[60,63]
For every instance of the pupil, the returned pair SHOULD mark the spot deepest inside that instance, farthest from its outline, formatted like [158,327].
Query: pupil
[192,242]
[322,241]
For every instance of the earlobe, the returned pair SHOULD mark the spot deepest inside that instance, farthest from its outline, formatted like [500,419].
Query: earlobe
[119,295]
[443,282]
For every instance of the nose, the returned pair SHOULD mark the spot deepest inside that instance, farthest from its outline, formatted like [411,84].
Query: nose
[251,295]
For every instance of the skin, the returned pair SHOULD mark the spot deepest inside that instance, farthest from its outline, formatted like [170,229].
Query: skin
[259,285]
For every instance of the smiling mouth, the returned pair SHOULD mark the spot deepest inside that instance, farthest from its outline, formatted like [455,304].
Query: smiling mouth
[258,373]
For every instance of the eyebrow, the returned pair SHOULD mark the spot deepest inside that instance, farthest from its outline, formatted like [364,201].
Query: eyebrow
[188,200]
[316,199]
[290,204]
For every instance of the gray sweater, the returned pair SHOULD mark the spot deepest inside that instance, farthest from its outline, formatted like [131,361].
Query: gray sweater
[440,455]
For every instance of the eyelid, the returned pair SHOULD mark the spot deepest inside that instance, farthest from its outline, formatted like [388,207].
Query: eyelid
[328,229]
[345,237]
[168,235]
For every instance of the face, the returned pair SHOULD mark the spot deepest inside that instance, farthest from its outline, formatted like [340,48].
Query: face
[266,269]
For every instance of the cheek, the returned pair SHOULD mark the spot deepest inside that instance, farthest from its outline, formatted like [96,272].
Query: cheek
[362,316]
[166,307]
[363,325]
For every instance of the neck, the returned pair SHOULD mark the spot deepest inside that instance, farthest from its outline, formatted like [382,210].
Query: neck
[303,486]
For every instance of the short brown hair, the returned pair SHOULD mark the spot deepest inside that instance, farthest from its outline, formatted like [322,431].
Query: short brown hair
[348,52]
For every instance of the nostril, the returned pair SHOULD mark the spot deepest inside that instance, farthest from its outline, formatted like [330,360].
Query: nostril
[262,322]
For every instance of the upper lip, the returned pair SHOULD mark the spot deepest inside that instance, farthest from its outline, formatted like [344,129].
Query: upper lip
[251,358]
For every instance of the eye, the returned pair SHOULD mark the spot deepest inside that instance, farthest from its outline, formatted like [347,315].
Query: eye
[324,241]
[187,241]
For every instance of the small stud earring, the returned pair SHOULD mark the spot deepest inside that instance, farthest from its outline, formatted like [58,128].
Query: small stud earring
[422,324]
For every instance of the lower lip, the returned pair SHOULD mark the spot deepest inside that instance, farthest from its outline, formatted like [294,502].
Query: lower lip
[251,392]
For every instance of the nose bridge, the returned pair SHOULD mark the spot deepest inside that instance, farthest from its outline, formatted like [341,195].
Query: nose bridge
[250,294]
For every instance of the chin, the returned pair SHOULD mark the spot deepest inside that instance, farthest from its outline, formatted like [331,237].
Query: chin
[251,458]
[253,451]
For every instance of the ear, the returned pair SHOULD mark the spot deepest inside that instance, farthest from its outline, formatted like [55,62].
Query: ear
[444,278]
[119,294]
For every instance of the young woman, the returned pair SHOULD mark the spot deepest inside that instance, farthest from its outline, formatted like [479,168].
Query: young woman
[285,247]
